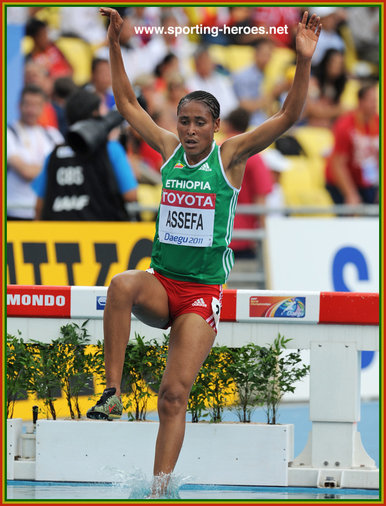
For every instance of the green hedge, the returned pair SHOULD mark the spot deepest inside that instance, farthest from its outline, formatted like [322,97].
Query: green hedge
[251,376]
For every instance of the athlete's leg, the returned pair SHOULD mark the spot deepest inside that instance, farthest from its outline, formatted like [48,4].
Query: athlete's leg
[191,339]
[136,291]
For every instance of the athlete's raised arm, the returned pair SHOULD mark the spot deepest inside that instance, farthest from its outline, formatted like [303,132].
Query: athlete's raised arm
[158,138]
[236,150]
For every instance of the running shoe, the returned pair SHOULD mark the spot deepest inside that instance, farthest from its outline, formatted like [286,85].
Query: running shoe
[108,407]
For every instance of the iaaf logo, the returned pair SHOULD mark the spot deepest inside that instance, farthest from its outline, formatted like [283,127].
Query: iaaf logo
[17,299]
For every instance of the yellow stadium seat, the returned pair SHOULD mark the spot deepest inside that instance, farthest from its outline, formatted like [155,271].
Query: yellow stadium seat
[276,69]
[233,57]
[79,54]
[50,15]
[239,57]
[350,54]
[301,187]
[315,141]
[27,45]
[148,195]
[349,97]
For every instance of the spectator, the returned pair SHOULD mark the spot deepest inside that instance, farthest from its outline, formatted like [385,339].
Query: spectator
[141,59]
[363,23]
[77,186]
[275,17]
[168,42]
[175,90]
[248,84]
[257,184]
[36,74]
[138,59]
[145,85]
[28,143]
[169,65]
[208,17]
[64,87]
[145,166]
[352,170]
[142,16]
[45,52]
[241,17]
[100,82]
[277,164]
[330,18]
[207,78]
[325,91]
[82,22]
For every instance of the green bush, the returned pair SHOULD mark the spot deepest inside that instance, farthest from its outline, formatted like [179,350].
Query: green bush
[263,375]
[18,371]
[212,388]
[75,366]
[142,373]
[259,376]
[281,371]
[245,370]
[46,369]
[144,365]
[44,373]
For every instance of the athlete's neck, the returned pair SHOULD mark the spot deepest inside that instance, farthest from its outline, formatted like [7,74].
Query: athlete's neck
[195,159]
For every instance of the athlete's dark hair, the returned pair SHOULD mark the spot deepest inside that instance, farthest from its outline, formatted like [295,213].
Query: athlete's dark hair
[202,96]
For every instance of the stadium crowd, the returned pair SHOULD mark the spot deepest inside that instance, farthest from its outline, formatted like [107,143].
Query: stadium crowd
[331,156]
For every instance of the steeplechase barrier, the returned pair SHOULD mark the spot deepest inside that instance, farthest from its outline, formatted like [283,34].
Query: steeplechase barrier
[334,326]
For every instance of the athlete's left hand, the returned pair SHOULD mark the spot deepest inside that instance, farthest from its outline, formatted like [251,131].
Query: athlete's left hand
[307,35]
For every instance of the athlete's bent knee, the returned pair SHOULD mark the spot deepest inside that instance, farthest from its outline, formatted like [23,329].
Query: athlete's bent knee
[171,402]
[121,287]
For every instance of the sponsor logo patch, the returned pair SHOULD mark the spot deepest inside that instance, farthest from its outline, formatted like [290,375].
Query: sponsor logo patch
[200,303]
[101,302]
[38,301]
[205,167]
[277,307]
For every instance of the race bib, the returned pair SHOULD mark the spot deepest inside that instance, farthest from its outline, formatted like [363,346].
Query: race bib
[186,218]
[216,308]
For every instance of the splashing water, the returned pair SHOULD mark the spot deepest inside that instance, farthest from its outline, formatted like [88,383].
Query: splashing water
[140,486]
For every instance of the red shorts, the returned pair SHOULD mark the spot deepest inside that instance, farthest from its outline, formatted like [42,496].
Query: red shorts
[187,297]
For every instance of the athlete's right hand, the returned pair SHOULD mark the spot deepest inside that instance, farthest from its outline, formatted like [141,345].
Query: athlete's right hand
[115,25]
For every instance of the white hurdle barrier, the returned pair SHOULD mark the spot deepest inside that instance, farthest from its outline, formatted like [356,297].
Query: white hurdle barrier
[334,326]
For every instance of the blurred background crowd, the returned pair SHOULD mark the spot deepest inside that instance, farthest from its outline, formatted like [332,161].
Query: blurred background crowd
[330,156]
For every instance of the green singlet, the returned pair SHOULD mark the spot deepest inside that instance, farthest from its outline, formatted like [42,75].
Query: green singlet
[195,220]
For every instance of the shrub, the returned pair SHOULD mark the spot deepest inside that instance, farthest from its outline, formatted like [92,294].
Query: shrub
[44,373]
[258,375]
[18,371]
[245,369]
[263,375]
[143,368]
[281,372]
[75,365]
[212,387]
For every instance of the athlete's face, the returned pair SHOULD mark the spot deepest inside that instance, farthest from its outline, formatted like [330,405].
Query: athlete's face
[196,128]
